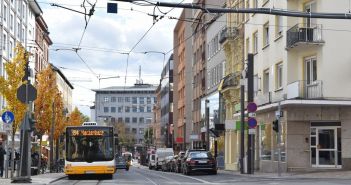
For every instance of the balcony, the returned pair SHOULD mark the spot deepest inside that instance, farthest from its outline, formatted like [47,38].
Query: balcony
[228,33]
[303,90]
[263,99]
[301,34]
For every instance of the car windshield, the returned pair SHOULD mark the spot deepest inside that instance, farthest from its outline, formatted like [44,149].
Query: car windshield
[200,155]
[120,159]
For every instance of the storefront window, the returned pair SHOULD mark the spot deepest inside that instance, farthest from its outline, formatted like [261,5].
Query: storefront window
[282,145]
[266,144]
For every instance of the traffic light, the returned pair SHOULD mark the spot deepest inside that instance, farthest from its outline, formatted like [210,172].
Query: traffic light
[26,72]
[275,126]
[32,123]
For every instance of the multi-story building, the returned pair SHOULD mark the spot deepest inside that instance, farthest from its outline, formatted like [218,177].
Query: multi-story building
[199,72]
[303,65]
[42,43]
[65,87]
[131,105]
[182,94]
[156,124]
[166,102]
[232,41]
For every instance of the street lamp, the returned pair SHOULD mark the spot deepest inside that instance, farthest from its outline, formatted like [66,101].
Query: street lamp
[160,52]
[103,78]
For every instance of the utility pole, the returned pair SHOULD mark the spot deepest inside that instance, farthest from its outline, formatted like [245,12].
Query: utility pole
[279,139]
[207,113]
[242,120]
[184,134]
[250,98]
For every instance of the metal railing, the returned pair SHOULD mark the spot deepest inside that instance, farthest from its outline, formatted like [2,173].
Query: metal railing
[301,33]
[303,89]
[228,33]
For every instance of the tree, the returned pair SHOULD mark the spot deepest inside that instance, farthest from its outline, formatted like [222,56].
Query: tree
[8,89]
[75,118]
[125,139]
[43,105]
[148,135]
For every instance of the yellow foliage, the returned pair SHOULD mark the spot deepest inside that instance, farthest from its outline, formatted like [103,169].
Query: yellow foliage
[8,86]
[59,117]
[46,92]
[75,118]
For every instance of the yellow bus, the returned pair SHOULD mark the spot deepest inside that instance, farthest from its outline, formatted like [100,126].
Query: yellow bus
[89,150]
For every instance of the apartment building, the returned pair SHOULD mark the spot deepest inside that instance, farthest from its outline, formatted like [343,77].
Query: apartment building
[131,105]
[182,76]
[303,64]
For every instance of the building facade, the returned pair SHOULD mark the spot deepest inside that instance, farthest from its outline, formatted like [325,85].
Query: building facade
[183,88]
[304,66]
[131,105]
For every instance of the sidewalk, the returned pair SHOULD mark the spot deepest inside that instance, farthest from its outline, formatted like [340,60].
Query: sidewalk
[38,179]
[334,174]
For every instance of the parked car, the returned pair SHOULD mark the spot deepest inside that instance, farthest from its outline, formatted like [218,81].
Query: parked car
[121,163]
[152,161]
[161,154]
[167,164]
[195,161]
[178,162]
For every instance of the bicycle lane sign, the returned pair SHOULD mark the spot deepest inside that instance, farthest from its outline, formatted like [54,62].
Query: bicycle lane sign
[7,117]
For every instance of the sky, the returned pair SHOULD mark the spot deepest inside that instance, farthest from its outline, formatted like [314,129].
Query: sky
[105,42]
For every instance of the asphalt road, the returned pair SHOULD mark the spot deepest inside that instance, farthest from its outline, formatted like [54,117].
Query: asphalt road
[144,176]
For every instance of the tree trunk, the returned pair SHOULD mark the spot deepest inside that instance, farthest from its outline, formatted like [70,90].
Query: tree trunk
[57,151]
[39,162]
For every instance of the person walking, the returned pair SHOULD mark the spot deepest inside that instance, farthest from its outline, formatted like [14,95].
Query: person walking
[2,153]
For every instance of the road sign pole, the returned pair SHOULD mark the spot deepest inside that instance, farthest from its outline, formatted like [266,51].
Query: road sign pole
[250,97]
[279,140]
[242,122]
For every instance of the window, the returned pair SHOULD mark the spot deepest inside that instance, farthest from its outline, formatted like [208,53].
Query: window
[266,34]
[310,7]
[10,49]
[311,70]
[120,99]
[120,120]
[141,100]
[135,109]
[278,26]
[120,109]
[105,99]
[266,81]
[279,79]
[127,130]
[255,42]
[11,22]
[134,130]
[113,120]
[266,144]
[127,120]
[141,120]
[127,99]
[148,100]
[5,13]
[134,120]
[141,109]
[155,100]
[255,4]
[113,99]
[18,29]
[148,109]
[134,100]
[141,130]
[127,109]
[113,109]
[105,109]
[4,42]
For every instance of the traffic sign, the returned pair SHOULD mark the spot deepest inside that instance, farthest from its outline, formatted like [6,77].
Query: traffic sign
[251,107]
[252,114]
[252,122]
[31,94]
[8,117]
[252,131]
[7,127]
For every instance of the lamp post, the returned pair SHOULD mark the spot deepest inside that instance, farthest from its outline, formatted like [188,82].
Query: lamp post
[103,78]
[160,52]
[184,134]
[207,112]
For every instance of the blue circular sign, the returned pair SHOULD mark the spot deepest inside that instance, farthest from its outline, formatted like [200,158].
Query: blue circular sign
[7,117]
[252,122]
[251,107]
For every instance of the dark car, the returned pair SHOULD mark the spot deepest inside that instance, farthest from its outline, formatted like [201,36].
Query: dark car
[178,162]
[195,161]
[121,163]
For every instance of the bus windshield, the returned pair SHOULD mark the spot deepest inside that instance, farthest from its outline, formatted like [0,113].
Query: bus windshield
[89,144]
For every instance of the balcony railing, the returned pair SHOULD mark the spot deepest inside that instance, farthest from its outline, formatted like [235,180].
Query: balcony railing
[301,33]
[304,90]
[228,33]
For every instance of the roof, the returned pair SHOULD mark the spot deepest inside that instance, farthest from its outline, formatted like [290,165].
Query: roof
[62,75]
[136,87]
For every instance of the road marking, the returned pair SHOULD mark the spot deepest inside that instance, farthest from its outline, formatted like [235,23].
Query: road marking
[153,182]
[172,180]
[193,178]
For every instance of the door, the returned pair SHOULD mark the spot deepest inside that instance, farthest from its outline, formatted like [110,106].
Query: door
[326,147]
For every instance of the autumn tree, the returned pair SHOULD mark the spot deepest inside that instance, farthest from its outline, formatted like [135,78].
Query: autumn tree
[8,88]
[125,139]
[43,105]
[60,122]
[75,118]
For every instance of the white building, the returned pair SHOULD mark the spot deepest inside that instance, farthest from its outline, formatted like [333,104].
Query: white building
[304,63]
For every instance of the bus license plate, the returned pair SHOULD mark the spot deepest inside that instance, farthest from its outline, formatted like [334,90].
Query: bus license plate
[89,172]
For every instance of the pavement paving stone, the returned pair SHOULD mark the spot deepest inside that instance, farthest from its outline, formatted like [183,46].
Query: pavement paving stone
[46,178]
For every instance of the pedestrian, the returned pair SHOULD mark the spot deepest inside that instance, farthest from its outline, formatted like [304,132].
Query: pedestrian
[2,153]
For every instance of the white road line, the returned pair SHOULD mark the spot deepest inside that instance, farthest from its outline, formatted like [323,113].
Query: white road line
[153,182]
[172,180]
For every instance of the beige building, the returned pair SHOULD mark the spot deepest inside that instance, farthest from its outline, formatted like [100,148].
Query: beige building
[156,124]
[304,64]
[182,86]
[65,87]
